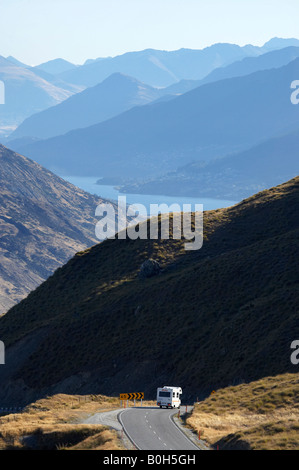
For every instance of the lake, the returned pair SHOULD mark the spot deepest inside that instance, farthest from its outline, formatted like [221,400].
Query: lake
[88,183]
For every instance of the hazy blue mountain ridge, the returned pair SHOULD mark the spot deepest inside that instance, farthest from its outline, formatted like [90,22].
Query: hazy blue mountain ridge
[113,96]
[209,122]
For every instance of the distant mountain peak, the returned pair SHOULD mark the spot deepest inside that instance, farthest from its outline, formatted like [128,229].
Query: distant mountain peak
[56,66]
[280,43]
[116,94]
[119,76]
[17,62]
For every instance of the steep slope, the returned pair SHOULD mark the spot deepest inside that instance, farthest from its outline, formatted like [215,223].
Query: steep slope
[50,78]
[56,81]
[233,177]
[43,221]
[116,94]
[261,415]
[25,93]
[159,68]
[17,62]
[221,315]
[209,122]
[246,66]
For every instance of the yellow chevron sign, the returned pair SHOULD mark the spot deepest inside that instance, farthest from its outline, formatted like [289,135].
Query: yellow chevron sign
[131,396]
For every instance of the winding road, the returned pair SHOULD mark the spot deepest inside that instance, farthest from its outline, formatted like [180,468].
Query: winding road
[154,429]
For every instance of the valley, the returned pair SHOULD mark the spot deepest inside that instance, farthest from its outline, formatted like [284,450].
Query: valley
[149,196]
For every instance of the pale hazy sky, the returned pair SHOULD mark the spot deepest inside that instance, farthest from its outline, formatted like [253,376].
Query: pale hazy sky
[35,31]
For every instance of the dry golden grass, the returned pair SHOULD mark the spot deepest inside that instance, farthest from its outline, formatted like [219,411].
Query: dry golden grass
[106,440]
[259,415]
[53,423]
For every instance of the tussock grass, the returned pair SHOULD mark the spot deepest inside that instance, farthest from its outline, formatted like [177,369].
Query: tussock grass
[259,415]
[54,423]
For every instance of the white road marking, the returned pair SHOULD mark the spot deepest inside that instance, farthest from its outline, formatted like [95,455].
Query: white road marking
[121,422]
[173,423]
[182,432]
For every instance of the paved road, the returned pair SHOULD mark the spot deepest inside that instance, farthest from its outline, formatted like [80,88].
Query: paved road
[153,429]
[107,418]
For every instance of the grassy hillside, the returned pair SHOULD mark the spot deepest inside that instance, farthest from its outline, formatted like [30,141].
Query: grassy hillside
[54,424]
[215,317]
[261,415]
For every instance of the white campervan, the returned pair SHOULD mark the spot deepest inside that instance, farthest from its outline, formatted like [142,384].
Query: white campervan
[170,397]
